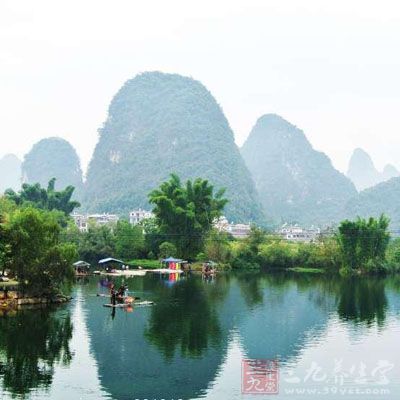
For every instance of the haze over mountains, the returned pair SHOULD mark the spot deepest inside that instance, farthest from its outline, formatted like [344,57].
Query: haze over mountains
[294,181]
[363,173]
[163,123]
[10,172]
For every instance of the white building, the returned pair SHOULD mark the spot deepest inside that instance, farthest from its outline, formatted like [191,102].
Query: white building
[221,224]
[103,219]
[296,233]
[238,231]
[137,216]
[83,221]
[80,221]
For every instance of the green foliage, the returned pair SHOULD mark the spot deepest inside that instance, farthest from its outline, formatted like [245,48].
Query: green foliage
[160,124]
[145,263]
[201,257]
[6,208]
[97,243]
[38,259]
[185,214]
[167,249]
[153,237]
[45,199]
[323,254]
[393,255]
[302,270]
[363,243]
[280,254]
[129,241]
[217,247]
[261,250]
[246,253]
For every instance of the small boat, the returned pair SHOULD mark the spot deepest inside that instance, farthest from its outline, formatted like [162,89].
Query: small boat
[167,271]
[126,273]
[117,305]
[118,297]
[137,303]
[134,272]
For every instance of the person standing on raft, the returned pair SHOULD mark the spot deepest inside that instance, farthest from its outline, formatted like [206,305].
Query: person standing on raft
[113,296]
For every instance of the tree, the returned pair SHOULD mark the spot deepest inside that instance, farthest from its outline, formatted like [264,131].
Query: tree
[167,249]
[185,214]
[247,252]
[217,246]
[129,241]
[97,243]
[5,249]
[38,259]
[153,237]
[279,254]
[45,199]
[6,208]
[363,243]
[393,254]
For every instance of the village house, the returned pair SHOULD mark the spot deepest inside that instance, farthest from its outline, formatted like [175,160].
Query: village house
[137,216]
[296,233]
[84,221]
[238,231]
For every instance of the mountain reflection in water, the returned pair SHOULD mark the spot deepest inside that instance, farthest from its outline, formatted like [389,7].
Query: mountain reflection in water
[191,342]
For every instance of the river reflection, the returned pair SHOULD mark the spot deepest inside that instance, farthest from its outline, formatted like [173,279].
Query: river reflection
[32,343]
[185,318]
[363,300]
[190,344]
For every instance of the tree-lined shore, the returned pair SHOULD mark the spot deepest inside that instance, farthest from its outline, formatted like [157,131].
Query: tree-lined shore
[39,241]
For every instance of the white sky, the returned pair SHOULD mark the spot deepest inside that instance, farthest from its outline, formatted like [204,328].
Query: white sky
[330,67]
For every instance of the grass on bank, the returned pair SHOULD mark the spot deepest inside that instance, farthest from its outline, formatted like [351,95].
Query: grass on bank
[9,283]
[145,264]
[307,270]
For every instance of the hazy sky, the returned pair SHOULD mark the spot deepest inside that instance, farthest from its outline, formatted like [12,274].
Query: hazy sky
[331,68]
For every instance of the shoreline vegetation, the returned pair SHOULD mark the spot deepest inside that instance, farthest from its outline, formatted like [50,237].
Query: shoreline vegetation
[39,241]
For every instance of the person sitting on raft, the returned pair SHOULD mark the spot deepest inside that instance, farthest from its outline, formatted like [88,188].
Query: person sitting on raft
[122,292]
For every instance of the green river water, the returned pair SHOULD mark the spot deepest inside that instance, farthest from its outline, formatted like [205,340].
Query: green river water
[278,335]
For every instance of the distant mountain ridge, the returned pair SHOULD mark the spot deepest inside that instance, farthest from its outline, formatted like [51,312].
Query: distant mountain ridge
[53,157]
[382,198]
[294,181]
[162,123]
[159,124]
[363,172]
[10,172]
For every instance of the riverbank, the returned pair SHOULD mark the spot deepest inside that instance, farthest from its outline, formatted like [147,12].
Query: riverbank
[15,299]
